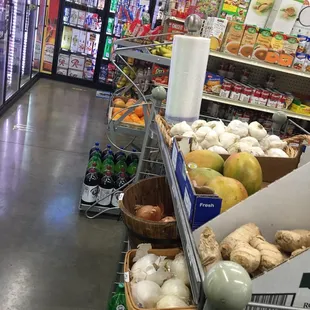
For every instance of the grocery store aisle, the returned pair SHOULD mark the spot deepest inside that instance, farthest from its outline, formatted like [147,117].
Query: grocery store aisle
[52,258]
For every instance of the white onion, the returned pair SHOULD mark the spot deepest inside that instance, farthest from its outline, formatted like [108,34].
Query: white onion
[146,294]
[177,288]
[179,268]
[143,267]
[170,301]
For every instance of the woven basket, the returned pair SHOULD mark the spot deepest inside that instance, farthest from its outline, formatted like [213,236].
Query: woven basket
[292,150]
[169,253]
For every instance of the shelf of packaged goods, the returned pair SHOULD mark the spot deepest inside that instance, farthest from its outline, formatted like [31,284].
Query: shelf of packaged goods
[195,269]
[81,28]
[69,52]
[261,64]
[251,106]
[83,6]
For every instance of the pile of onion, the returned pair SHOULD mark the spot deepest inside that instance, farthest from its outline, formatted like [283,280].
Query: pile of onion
[153,213]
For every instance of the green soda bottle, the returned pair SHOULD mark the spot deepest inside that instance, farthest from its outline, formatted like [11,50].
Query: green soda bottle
[121,164]
[108,161]
[96,158]
[132,168]
[118,300]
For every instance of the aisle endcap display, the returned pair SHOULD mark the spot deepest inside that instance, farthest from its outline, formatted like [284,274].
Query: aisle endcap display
[284,204]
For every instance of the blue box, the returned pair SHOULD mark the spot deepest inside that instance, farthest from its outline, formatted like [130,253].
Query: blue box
[199,208]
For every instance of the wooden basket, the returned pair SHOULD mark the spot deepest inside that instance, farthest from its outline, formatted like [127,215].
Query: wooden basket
[169,253]
[151,191]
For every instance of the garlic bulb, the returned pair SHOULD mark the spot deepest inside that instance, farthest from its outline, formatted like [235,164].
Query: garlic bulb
[189,134]
[217,149]
[254,150]
[217,126]
[202,132]
[238,128]
[195,146]
[227,139]
[265,143]
[257,131]
[234,148]
[179,128]
[250,140]
[276,153]
[278,144]
[199,123]
[210,140]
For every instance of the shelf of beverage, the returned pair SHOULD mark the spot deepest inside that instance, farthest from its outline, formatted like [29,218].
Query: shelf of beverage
[81,28]
[261,64]
[195,269]
[69,52]
[81,6]
[98,208]
[241,104]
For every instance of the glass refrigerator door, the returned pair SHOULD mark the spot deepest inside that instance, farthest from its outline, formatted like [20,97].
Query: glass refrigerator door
[4,34]
[38,37]
[29,31]
[15,47]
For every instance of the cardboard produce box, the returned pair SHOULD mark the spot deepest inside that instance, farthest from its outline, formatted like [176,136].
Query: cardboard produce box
[275,168]
[284,204]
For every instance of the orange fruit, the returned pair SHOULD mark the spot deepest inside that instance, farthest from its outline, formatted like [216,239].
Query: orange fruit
[116,117]
[139,111]
[127,119]
[135,118]
[116,110]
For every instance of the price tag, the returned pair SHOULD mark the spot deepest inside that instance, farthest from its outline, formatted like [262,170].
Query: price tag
[174,156]
[121,196]
[188,203]
[126,277]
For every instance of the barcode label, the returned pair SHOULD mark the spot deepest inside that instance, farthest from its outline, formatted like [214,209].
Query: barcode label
[272,299]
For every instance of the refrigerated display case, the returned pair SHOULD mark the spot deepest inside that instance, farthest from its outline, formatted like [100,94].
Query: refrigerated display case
[39,30]
[79,39]
[19,20]
[4,35]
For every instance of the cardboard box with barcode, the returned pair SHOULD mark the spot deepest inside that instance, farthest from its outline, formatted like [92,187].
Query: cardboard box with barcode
[199,208]
[284,204]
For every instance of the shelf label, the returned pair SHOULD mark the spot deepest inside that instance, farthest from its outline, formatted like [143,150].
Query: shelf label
[174,155]
[126,277]
[188,203]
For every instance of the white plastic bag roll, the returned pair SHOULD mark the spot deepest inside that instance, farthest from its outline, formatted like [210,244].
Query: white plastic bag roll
[186,78]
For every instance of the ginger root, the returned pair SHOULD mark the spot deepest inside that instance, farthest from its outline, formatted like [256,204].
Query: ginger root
[209,249]
[245,255]
[292,240]
[242,234]
[270,255]
[299,251]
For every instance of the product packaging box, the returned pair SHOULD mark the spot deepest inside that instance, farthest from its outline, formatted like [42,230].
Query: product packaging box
[75,40]
[200,208]
[214,29]
[66,17]
[276,48]
[66,38]
[259,12]
[81,18]
[160,74]
[75,74]
[248,41]
[282,205]
[174,27]
[287,56]
[74,14]
[284,15]
[76,62]
[234,10]
[61,71]
[233,37]
[262,44]
[63,61]
[82,40]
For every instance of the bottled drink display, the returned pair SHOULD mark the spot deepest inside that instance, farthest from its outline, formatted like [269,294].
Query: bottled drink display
[118,300]
[90,186]
[106,172]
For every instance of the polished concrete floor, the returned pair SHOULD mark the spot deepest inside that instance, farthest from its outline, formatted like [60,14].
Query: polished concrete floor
[52,257]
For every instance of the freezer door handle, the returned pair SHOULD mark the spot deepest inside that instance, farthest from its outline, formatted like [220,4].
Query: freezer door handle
[11,19]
